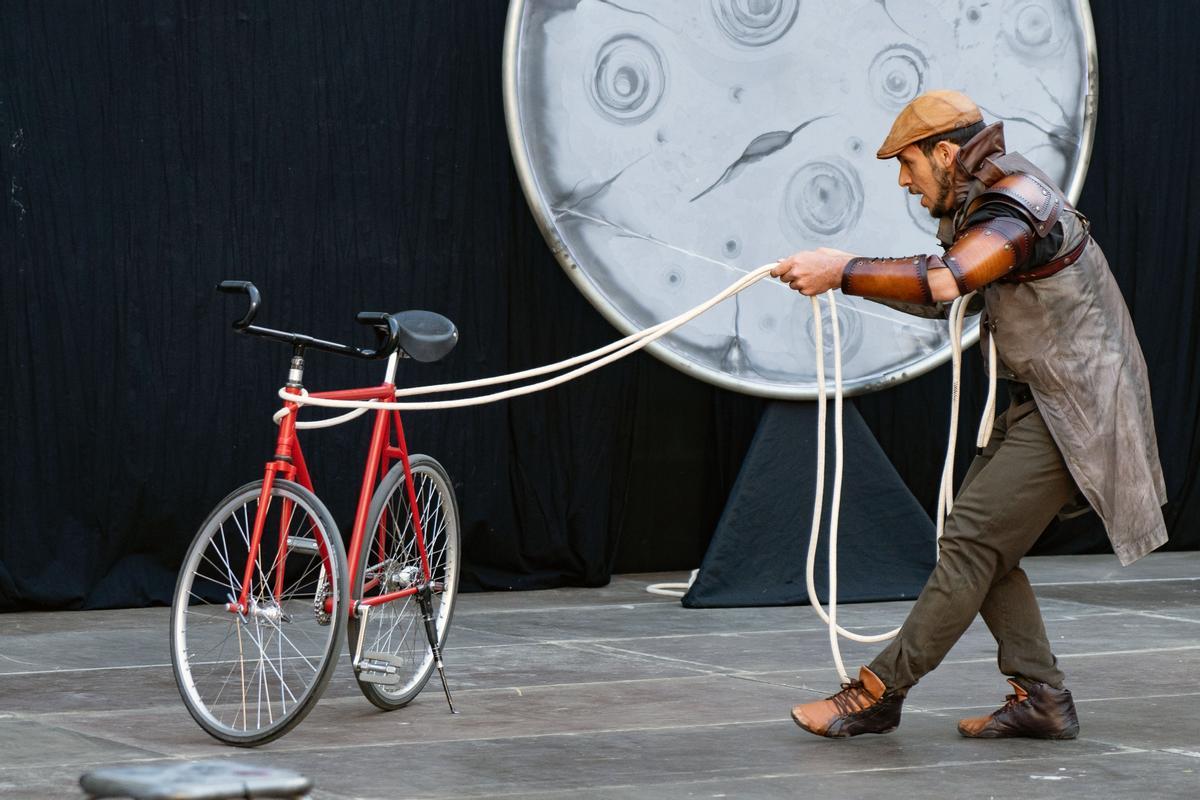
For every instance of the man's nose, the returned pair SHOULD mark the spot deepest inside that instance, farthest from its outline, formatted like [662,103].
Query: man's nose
[905,178]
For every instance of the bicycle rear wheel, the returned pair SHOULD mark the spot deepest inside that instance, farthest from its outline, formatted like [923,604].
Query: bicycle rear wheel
[390,561]
[250,678]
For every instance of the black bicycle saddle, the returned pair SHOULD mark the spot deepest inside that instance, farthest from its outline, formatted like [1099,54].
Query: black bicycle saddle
[424,335]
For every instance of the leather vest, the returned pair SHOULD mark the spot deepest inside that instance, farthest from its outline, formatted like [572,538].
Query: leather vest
[1069,336]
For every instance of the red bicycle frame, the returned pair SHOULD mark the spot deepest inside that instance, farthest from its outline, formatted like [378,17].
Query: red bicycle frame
[289,463]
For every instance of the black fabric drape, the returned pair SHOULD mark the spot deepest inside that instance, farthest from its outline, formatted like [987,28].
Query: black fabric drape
[349,156]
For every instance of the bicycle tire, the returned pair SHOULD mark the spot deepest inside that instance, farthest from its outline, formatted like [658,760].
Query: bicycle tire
[203,632]
[396,628]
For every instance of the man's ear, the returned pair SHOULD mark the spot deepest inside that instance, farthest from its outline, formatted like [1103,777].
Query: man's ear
[945,153]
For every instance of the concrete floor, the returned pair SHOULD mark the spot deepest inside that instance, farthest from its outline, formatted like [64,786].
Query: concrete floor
[615,693]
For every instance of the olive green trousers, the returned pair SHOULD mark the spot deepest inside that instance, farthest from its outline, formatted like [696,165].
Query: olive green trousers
[1012,491]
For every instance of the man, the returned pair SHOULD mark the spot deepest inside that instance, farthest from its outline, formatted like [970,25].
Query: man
[1079,415]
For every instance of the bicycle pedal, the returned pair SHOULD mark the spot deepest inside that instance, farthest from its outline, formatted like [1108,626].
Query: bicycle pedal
[383,669]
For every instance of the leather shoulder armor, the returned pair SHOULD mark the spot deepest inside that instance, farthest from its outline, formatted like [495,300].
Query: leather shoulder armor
[1038,202]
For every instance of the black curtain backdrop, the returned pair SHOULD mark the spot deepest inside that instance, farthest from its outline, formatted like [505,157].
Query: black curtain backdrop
[349,156]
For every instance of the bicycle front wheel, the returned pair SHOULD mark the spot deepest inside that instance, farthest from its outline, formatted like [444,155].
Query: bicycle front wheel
[390,562]
[248,678]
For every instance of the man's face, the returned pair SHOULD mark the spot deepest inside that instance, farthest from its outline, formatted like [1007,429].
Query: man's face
[930,176]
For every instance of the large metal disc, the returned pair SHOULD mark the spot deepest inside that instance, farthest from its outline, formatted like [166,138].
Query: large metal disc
[666,148]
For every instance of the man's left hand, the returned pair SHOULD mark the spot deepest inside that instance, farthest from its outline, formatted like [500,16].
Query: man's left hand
[812,272]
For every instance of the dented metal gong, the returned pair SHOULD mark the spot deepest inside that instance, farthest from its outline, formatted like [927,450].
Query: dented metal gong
[666,148]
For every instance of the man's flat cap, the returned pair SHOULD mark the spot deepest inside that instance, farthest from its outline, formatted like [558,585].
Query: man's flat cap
[938,111]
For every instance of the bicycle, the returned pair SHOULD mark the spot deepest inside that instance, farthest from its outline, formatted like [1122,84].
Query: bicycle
[267,588]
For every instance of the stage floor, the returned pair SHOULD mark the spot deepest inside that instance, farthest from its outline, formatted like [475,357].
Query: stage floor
[615,693]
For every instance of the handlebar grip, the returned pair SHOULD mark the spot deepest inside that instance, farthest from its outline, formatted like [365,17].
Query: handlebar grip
[249,289]
[387,333]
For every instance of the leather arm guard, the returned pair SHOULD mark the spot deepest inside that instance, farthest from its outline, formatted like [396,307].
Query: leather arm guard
[987,252]
[984,253]
[903,279]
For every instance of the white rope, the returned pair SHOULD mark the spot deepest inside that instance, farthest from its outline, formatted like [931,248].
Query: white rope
[319,423]
[611,353]
[531,373]
[988,421]
[945,489]
[478,383]
[819,496]
[673,589]
[836,500]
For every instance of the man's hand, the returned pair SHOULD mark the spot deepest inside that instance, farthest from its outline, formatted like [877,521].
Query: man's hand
[812,272]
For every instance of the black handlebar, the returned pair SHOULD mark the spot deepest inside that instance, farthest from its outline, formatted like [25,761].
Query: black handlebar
[387,330]
[234,287]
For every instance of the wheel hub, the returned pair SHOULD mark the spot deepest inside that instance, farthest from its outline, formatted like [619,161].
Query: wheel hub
[269,611]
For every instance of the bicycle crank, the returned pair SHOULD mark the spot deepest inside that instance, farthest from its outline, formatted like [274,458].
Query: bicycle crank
[378,668]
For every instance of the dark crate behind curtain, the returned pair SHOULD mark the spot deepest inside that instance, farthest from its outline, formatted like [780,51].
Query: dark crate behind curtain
[353,156]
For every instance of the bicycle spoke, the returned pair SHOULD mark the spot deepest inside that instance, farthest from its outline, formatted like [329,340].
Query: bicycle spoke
[229,633]
[259,675]
[244,529]
[224,554]
[225,683]
[263,660]
[257,560]
[299,653]
[407,613]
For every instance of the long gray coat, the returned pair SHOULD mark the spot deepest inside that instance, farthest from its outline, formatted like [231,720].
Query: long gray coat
[1071,339]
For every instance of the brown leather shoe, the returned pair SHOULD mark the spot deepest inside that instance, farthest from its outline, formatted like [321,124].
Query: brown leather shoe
[1041,713]
[862,706]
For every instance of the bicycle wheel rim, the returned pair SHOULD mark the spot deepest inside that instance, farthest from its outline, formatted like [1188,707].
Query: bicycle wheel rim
[249,678]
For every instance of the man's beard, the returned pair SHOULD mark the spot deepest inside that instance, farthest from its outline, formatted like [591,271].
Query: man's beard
[942,205]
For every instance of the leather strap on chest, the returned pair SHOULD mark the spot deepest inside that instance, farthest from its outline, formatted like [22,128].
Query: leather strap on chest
[1055,266]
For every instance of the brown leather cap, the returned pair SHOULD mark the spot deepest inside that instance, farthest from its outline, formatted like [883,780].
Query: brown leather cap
[938,111]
